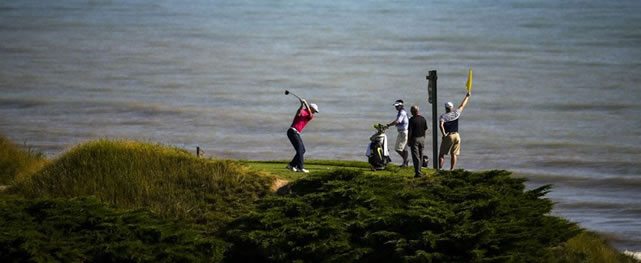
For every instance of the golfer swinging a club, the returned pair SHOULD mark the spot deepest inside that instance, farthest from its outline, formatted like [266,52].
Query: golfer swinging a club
[304,115]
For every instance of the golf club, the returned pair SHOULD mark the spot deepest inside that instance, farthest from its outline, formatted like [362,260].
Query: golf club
[287,92]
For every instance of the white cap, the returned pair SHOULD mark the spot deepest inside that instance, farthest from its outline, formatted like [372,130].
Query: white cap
[314,106]
[449,105]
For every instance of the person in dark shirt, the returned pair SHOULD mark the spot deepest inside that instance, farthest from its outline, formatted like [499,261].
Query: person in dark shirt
[416,139]
[451,141]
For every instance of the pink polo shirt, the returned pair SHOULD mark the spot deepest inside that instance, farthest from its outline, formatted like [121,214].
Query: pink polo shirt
[301,120]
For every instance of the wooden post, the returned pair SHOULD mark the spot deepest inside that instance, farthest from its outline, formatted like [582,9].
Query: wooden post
[431,93]
[197,151]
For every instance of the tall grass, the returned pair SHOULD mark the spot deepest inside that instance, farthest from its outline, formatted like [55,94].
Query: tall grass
[17,162]
[588,247]
[168,181]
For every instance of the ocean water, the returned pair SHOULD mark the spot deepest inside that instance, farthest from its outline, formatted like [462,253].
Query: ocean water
[555,99]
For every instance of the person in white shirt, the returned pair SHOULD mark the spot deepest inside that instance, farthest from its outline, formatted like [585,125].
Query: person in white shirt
[402,123]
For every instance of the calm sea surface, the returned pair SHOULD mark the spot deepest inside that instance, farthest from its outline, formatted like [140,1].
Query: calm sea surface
[556,83]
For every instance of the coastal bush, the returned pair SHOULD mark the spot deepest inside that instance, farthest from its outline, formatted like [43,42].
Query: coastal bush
[16,162]
[168,181]
[84,230]
[349,216]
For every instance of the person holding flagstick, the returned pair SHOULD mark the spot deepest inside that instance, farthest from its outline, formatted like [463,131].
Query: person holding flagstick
[448,125]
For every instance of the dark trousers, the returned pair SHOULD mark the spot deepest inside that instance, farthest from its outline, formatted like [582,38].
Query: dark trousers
[298,160]
[416,147]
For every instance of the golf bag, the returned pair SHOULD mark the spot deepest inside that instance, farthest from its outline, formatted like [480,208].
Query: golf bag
[377,153]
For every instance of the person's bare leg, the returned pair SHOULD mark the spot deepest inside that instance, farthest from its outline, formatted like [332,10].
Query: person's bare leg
[454,158]
[441,161]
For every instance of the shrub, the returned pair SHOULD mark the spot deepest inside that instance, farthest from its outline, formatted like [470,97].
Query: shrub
[84,230]
[347,216]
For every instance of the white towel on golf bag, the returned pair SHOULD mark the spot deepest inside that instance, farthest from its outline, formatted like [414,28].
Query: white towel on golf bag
[636,255]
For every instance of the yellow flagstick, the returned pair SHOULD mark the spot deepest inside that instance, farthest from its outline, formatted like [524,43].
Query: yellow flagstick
[468,84]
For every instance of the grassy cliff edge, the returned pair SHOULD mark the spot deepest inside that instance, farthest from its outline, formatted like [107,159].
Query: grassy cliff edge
[226,210]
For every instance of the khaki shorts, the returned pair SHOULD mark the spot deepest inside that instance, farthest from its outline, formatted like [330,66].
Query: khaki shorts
[451,144]
[401,141]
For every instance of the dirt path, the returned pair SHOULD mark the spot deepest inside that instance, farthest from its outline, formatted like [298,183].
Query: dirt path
[278,183]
